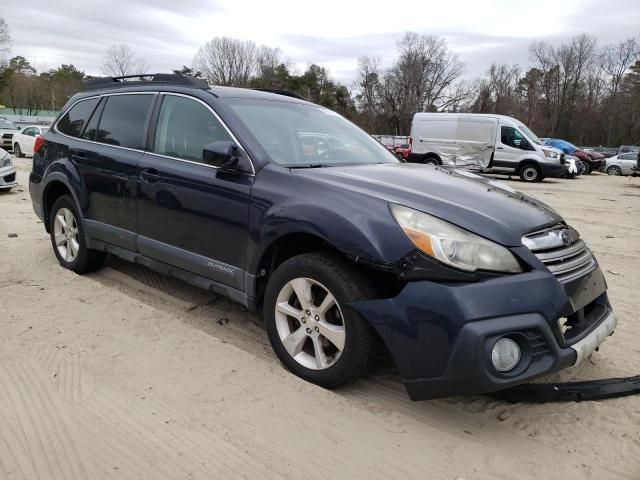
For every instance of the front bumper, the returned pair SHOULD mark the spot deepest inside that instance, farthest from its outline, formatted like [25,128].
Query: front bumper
[8,177]
[440,334]
[6,143]
[553,170]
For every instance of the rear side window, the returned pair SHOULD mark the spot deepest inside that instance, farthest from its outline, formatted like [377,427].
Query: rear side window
[123,119]
[185,126]
[75,119]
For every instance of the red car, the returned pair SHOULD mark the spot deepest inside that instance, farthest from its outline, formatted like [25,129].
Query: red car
[402,151]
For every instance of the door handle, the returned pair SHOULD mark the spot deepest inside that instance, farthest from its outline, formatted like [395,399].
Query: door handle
[78,154]
[499,148]
[150,175]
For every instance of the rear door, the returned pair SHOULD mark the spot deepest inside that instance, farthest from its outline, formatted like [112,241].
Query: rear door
[108,161]
[27,139]
[627,162]
[190,214]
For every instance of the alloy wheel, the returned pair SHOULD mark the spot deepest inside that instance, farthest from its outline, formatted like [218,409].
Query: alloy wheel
[530,174]
[310,323]
[615,171]
[65,230]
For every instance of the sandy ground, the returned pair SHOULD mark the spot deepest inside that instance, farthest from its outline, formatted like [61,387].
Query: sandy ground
[128,374]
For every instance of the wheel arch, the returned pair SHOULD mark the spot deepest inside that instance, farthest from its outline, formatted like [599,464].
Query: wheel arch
[57,185]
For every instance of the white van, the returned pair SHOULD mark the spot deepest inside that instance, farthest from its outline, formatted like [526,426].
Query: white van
[491,143]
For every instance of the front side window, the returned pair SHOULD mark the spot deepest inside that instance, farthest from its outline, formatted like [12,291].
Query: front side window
[298,135]
[513,138]
[123,120]
[75,119]
[185,127]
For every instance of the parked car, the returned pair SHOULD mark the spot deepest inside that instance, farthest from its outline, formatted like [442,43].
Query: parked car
[628,149]
[25,139]
[470,286]
[622,164]
[7,130]
[402,151]
[593,161]
[493,143]
[606,151]
[7,171]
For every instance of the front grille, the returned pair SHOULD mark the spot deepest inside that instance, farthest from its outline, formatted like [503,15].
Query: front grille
[561,251]
[7,135]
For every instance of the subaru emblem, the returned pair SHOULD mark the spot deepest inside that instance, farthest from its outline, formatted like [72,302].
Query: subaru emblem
[565,237]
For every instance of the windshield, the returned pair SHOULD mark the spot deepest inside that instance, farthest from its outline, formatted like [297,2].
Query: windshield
[302,135]
[532,136]
[7,125]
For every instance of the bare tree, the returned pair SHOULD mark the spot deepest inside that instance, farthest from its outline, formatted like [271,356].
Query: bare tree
[5,37]
[228,61]
[121,60]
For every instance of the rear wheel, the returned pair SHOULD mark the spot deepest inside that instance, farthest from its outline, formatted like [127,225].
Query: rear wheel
[312,332]
[68,240]
[17,151]
[530,173]
[430,161]
[614,170]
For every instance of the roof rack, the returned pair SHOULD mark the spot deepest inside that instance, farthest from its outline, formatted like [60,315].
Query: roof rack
[144,79]
[286,93]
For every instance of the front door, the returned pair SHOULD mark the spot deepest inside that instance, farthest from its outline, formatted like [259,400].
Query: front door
[190,214]
[510,147]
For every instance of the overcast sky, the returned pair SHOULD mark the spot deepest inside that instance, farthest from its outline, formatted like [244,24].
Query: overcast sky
[332,33]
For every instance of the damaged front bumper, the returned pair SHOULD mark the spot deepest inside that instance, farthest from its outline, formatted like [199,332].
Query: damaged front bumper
[441,334]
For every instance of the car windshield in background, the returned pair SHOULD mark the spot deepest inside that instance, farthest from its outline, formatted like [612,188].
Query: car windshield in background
[302,135]
[6,125]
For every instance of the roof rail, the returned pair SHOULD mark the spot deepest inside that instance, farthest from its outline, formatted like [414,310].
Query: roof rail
[286,93]
[144,79]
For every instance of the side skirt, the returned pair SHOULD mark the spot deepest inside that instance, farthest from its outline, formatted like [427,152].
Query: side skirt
[199,281]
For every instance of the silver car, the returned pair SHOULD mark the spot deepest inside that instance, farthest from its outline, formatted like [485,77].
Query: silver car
[622,164]
[7,171]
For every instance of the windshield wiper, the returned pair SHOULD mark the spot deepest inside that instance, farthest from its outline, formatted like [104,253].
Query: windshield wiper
[310,165]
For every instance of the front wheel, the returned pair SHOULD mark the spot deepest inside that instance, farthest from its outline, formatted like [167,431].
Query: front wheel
[614,170]
[17,151]
[530,173]
[311,330]
[68,240]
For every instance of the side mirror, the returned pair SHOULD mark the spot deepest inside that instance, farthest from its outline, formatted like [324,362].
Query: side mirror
[524,144]
[222,154]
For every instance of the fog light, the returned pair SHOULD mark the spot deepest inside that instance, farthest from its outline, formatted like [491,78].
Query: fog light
[505,355]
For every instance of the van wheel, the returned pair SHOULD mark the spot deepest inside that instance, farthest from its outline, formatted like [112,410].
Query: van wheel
[311,330]
[68,240]
[530,173]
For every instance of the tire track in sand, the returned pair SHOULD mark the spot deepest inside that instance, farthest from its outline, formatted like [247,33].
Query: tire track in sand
[35,438]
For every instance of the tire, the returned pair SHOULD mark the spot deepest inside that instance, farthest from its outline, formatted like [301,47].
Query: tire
[17,151]
[68,239]
[530,173]
[317,275]
[430,161]
[614,170]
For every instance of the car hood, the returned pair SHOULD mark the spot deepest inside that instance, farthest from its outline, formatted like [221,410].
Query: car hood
[481,205]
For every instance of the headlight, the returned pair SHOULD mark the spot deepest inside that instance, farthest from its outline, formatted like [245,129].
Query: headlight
[6,162]
[550,153]
[453,245]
